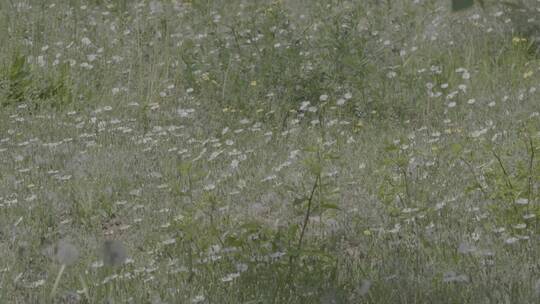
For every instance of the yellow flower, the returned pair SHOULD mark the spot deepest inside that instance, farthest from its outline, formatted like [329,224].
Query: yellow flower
[253,83]
[518,40]
[527,74]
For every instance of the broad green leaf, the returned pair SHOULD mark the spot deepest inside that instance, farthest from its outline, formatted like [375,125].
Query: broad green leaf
[458,5]
[184,167]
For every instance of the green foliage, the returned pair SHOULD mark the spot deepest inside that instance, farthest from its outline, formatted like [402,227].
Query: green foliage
[273,52]
[17,82]
[512,185]
[189,146]
[22,84]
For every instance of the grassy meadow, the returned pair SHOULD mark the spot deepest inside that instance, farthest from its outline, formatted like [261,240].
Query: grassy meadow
[257,151]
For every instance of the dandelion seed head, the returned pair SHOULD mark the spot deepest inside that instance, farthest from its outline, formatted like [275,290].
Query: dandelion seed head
[363,289]
[66,253]
[114,253]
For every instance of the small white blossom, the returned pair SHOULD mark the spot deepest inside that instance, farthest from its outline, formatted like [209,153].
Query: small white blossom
[86,41]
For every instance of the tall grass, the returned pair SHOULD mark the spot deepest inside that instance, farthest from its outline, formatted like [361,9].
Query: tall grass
[268,152]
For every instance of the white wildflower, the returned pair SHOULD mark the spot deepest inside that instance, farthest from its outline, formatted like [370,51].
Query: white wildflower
[234,164]
[230,277]
[86,41]
[451,276]
[522,201]
[391,75]
[511,240]
[304,105]
[198,299]
[169,242]
[209,187]
[479,133]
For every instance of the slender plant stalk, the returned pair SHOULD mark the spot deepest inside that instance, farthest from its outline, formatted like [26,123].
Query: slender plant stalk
[224,84]
[507,177]
[308,213]
[304,224]
[406,182]
[531,164]
[57,280]
[85,288]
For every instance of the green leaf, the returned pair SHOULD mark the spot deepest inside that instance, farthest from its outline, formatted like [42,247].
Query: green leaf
[456,148]
[185,168]
[251,226]
[233,241]
[458,5]
[311,149]
[391,148]
[313,165]
[331,156]
[326,206]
